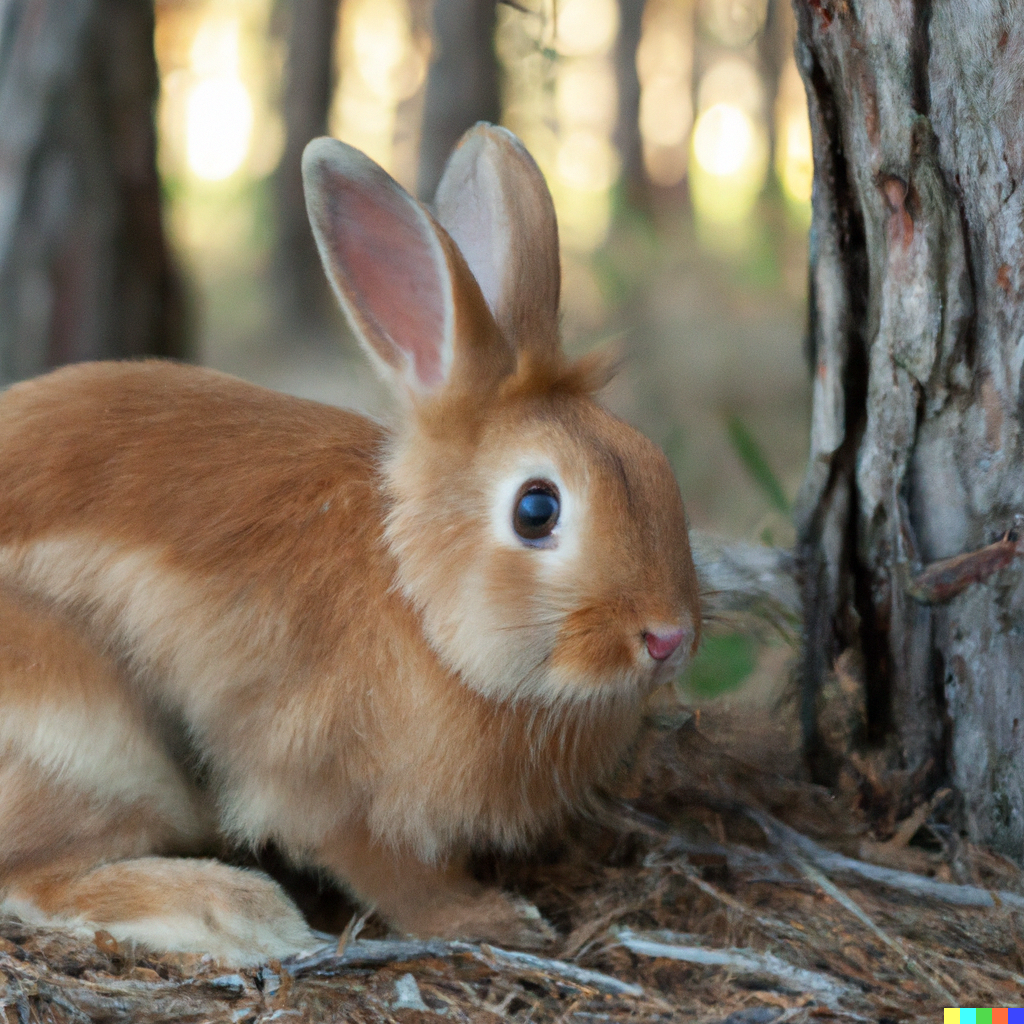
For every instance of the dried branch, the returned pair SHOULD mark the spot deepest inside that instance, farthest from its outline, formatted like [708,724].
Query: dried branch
[826,989]
[947,892]
[941,581]
[605,983]
[369,952]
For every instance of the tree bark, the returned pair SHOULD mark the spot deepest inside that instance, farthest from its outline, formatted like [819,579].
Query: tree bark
[916,321]
[85,271]
[302,295]
[462,83]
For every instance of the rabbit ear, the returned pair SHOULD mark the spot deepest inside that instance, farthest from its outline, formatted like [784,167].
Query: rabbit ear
[495,204]
[385,261]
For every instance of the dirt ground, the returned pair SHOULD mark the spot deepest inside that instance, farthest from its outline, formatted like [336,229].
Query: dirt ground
[707,892]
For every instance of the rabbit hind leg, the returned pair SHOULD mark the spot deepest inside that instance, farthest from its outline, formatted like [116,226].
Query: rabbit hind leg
[89,796]
[84,774]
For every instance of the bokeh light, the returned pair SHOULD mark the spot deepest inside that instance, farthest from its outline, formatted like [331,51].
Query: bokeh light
[664,64]
[733,22]
[382,63]
[730,143]
[585,27]
[560,96]
[221,84]
[794,160]
[215,114]
[724,140]
[586,94]
[219,113]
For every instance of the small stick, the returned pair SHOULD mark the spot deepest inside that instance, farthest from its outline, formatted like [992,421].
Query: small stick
[908,827]
[827,860]
[352,929]
[493,956]
[847,902]
[747,961]
[381,951]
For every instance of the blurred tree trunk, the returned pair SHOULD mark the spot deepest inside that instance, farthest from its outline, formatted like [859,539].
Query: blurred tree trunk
[627,122]
[84,267]
[302,295]
[916,328]
[462,83]
[774,45]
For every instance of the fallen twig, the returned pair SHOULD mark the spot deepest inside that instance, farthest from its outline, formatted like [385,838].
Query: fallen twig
[369,952]
[747,961]
[827,860]
[773,927]
[494,957]
[366,952]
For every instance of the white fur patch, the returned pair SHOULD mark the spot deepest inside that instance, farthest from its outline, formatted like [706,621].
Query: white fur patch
[153,616]
[564,544]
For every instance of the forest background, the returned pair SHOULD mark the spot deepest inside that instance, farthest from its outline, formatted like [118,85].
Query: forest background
[673,133]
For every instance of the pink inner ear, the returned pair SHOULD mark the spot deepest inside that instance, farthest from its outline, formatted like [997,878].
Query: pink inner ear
[389,267]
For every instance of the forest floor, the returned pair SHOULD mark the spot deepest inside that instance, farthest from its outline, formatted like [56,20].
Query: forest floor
[713,891]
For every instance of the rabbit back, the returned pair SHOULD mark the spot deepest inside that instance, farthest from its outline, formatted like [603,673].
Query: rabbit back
[227,546]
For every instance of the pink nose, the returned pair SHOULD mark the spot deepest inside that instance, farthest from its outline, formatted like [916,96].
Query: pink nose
[661,645]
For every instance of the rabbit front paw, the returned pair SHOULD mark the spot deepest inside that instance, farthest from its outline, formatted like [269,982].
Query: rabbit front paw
[499,918]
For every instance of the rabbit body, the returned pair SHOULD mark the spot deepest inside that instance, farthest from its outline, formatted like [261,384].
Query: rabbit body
[231,617]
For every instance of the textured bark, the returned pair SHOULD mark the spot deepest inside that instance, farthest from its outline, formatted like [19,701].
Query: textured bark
[462,84]
[84,268]
[302,296]
[917,265]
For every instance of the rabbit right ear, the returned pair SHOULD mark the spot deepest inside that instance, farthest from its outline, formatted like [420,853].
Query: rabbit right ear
[494,202]
[386,263]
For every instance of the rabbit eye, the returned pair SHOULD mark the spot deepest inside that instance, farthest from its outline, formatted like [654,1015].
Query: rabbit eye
[536,511]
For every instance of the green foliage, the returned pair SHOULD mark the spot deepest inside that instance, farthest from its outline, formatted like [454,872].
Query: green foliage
[615,285]
[754,459]
[721,665]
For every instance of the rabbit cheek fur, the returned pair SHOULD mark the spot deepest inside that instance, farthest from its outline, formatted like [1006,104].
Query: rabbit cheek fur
[563,624]
[229,617]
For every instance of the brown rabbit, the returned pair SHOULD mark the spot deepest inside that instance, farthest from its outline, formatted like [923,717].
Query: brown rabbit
[230,617]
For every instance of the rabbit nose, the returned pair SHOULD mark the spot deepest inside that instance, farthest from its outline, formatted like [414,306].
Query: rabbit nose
[661,645]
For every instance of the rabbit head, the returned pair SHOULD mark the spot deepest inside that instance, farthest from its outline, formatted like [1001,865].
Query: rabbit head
[541,540]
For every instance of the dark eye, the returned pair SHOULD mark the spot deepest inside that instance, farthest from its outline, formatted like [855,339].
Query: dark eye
[536,511]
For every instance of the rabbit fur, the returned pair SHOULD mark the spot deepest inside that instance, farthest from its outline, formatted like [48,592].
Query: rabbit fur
[229,617]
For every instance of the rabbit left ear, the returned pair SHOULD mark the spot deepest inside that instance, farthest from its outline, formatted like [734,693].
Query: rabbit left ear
[386,263]
[495,204]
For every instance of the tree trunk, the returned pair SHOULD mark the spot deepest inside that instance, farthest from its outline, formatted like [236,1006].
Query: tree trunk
[462,84]
[627,121]
[916,327]
[302,295]
[84,267]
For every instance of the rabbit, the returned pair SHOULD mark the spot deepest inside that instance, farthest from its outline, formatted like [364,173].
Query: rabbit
[230,617]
